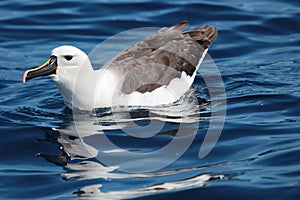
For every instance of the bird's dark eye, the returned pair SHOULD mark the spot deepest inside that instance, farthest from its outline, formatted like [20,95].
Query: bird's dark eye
[68,57]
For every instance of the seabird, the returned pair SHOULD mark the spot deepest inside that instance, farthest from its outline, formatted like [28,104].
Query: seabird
[157,70]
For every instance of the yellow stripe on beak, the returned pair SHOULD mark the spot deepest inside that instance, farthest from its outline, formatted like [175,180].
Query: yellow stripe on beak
[40,67]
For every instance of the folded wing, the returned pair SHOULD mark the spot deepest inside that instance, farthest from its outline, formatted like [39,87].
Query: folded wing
[163,56]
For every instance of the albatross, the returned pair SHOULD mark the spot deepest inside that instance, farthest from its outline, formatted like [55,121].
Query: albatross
[156,70]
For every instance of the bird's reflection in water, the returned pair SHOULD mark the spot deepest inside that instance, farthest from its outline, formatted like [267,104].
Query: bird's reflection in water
[137,131]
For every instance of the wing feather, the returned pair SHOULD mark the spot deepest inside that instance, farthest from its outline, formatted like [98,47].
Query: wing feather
[163,56]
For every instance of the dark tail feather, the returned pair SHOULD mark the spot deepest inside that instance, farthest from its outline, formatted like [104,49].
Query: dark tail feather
[180,26]
[204,35]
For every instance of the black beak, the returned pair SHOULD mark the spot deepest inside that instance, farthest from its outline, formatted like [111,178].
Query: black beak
[48,68]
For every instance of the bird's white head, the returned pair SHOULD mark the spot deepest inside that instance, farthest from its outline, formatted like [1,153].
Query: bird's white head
[64,62]
[67,66]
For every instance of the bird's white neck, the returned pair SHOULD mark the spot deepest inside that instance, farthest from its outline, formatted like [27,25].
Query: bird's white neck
[81,87]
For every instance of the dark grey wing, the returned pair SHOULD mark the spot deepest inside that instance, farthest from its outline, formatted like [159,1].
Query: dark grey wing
[163,56]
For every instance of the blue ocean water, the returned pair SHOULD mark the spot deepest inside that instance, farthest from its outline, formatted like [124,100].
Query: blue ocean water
[257,53]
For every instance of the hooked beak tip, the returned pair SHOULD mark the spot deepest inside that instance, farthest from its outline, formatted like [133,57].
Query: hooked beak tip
[24,76]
